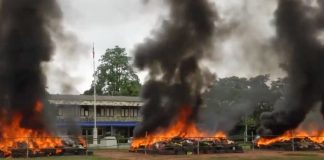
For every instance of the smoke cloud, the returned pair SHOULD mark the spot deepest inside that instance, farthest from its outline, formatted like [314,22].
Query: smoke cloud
[231,100]
[69,53]
[173,59]
[298,26]
[311,122]
[25,43]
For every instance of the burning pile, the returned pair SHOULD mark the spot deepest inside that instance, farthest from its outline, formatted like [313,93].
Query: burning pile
[15,137]
[299,27]
[182,145]
[294,140]
[27,121]
[183,137]
[16,141]
[177,80]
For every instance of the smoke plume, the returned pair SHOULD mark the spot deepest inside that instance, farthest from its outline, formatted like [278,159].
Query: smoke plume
[232,99]
[25,43]
[173,58]
[298,26]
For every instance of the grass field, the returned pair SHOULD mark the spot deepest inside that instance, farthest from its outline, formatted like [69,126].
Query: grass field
[70,158]
[249,155]
[295,156]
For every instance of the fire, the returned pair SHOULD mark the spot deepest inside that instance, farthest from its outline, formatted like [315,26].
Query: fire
[180,128]
[38,107]
[314,135]
[82,141]
[14,136]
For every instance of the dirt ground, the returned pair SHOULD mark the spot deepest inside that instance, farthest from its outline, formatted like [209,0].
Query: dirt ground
[125,155]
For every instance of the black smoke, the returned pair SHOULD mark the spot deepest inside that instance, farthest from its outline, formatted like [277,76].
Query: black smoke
[298,27]
[25,43]
[173,59]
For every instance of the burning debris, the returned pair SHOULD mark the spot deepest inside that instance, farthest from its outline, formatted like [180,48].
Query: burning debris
[194,145]
[293,140]
[173,94]
[183,137]
[24,149]
[299,30]
[176,78]
[308,136]
[180,128]
[25,43]
[12,134]
[17,141]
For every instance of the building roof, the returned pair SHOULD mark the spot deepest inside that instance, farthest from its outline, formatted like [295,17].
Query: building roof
[90,98]
[100,100]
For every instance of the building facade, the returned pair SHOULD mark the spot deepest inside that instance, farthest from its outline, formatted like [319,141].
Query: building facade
[116,115]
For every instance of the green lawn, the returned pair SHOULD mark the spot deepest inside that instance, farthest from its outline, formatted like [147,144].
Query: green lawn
[69,158]
[287,157]
[290,156]
[269,158]
[247,156]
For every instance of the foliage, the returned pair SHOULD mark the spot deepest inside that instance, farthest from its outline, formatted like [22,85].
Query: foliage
[115,76]
[243,100]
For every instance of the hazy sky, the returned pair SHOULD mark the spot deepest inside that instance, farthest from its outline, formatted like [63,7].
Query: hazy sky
[126,23]
[107,23]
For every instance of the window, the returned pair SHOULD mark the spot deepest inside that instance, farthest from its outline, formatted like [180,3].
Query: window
[136,114]
[59,111]
[100,131]
[87,131]
[100,112]
[124,112]
[133,112]
[110,112]
[84,111]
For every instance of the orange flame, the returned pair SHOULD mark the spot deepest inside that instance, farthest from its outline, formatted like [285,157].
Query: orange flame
[12,134]
[181,128]
[82,141]
[38,107]
[314,135]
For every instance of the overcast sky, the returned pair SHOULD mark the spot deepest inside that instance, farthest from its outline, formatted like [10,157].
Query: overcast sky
[126,23]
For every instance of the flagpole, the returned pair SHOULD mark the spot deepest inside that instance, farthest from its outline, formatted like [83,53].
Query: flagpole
[95,133]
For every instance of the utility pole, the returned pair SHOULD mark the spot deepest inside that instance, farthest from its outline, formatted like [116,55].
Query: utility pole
[95,131]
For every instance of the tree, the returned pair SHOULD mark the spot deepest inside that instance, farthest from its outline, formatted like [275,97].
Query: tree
[236,101]
[115,75]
